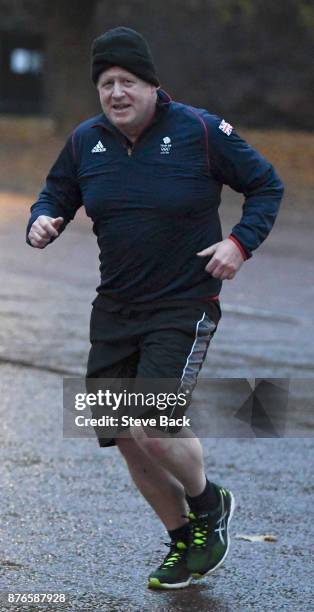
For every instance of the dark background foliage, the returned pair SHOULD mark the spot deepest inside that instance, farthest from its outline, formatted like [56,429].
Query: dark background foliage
[248,60]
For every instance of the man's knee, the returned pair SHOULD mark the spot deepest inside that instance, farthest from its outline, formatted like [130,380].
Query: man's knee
[125,445]
[153,446]
[143,440]
[129,449]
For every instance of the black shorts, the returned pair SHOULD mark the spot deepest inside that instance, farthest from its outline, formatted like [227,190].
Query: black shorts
[164,341]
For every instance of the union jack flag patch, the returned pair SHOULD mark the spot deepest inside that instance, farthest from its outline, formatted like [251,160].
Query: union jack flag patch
[226,127]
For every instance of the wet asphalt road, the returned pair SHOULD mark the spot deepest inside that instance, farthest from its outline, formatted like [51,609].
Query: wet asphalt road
[70,519]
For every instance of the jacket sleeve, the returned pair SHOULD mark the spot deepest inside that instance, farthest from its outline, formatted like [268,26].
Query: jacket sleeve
[61,196]
[235,163]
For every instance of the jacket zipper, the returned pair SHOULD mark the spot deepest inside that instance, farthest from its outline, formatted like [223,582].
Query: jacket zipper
[129,149]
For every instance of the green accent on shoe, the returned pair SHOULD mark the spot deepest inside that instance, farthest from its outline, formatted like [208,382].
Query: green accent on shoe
[209,542]
[154,582]
[197,576]
[172,573]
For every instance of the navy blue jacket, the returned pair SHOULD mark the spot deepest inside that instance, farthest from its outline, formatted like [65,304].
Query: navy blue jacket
[154,205]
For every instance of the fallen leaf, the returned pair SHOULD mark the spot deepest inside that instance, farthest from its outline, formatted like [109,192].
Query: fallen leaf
[256,538]
[8,563]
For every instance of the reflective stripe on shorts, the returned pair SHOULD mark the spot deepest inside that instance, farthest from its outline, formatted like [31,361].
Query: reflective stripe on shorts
[204,332]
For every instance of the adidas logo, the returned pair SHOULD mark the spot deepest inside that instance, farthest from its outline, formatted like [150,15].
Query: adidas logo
[99,148]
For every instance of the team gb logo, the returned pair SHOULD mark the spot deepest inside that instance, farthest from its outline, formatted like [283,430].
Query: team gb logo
[165,146]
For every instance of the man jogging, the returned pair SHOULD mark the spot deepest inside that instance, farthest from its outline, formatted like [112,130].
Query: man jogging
[149,172]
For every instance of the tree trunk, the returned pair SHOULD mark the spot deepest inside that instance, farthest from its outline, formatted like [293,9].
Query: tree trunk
[69,30]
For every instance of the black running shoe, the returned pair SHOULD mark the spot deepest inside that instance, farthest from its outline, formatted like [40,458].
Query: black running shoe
[209,543]
[173,572]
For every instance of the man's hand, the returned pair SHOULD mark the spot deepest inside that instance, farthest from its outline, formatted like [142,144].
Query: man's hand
[43,229]
[226,259]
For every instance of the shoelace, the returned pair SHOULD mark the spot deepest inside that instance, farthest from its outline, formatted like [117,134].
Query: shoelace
[175,554]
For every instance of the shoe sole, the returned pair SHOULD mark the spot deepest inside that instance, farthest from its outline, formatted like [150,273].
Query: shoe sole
[198,576]
[154,583]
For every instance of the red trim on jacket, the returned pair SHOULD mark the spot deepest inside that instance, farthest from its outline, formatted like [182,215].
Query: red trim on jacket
[73,146]
[240,247]
[201,120]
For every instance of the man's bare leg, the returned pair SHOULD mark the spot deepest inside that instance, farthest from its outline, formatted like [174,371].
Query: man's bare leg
[163,491]
[181,455]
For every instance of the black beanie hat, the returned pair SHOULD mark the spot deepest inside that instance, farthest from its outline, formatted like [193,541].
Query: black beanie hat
[125,48]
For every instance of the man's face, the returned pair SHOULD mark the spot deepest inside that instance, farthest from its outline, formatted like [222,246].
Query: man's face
[126,100]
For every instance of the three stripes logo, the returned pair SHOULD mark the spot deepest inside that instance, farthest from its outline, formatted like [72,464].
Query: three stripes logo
[99,148]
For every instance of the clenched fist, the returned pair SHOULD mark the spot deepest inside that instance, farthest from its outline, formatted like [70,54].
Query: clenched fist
[43,229]
[226,259]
